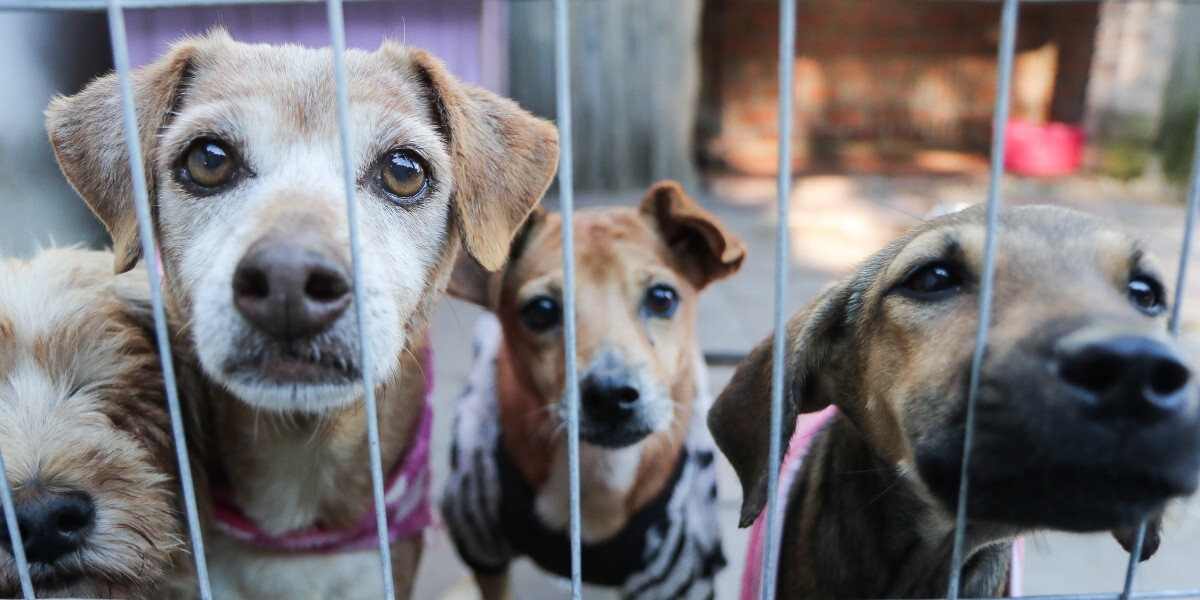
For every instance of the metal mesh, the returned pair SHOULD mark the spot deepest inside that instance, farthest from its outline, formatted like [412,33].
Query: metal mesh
[1008,29]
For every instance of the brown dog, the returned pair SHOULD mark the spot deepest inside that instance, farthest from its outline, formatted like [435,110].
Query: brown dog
[245,172]
[648,483]
[1087,417]
[85,434]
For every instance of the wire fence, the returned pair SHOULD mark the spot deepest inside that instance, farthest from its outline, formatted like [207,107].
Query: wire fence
[787,21]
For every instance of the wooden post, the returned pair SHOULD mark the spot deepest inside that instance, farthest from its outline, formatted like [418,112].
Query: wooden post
[635,86]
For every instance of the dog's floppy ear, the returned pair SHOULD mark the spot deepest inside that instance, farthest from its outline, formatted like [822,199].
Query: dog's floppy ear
[740,419]
[87,133]
[502,158]
[695,235]
[473,283]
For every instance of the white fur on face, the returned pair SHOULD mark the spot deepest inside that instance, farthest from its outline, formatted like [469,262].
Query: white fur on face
[284,129]
[74,395]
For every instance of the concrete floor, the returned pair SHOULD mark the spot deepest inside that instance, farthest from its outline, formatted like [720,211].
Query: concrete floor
[837,220]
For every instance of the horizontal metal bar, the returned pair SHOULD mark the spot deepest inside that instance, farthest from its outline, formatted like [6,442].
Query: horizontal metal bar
[1155,595]
[721,358]
[97,5]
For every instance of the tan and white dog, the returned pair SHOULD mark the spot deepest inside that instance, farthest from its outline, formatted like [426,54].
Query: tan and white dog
[648,484]
[245,172]
[85,434]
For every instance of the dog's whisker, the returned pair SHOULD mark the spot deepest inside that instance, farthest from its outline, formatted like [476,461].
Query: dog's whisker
[889,488]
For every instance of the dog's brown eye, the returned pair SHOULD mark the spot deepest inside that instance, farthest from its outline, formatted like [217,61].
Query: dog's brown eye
[1147,294]
[209,164]
[661,301]
[541,313]
[931,281]
[402,175]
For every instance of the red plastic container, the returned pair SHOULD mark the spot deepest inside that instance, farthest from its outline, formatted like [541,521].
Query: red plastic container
[1043,149]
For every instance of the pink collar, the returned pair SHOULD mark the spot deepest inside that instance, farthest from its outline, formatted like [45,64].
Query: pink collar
[406,498]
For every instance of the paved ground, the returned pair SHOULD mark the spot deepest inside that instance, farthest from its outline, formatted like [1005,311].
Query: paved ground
[836,220]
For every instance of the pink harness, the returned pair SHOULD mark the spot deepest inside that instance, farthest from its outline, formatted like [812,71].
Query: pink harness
[406,501]
[807,427]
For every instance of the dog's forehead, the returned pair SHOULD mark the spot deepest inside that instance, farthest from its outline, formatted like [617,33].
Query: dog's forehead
[55,308]
[1030,240]
[605,239]
[298,83]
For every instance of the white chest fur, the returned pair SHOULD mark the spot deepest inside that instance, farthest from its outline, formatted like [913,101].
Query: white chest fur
[606,480]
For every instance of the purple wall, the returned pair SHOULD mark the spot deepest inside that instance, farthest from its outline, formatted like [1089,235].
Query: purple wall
[470,36]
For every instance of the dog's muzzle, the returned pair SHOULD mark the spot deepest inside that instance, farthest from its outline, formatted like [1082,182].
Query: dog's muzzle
[616,410]
[1084,433]
[52,526]
[289,290]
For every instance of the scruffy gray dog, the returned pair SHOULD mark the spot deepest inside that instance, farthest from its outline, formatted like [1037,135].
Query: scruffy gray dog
[85,433]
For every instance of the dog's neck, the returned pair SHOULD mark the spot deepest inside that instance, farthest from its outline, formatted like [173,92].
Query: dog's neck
[861,529]
[614,484]
[296,471]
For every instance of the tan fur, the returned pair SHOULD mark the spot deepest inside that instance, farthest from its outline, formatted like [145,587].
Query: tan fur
[296,454]
[864,518]
[620,253]
[82,408]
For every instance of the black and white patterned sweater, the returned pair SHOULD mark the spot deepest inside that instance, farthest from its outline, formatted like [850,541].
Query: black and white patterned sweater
[669,549]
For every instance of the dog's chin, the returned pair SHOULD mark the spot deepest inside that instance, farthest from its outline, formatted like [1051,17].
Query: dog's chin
[311,376]
[61,582]
[50,582]
[314,398]
[1079,499]
[612,437]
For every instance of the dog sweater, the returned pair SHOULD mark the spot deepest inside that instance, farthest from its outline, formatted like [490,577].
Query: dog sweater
[670,548]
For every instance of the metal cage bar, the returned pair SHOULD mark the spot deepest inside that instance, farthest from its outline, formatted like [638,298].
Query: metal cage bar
[14,533]
[566,195]
[97,5]
[337,37]
[141,196]
[336,24]
[787,58]
[1008,34]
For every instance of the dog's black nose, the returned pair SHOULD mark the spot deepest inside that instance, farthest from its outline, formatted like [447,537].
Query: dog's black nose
[1128,376]
[288,290]
[52,526]
[608,398]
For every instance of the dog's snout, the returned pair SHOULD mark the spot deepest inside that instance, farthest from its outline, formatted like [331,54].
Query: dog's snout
[608,398]
[1127,376]
[52,526]
[290,291]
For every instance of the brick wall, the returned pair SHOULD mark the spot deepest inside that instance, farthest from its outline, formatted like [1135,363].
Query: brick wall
[881,76]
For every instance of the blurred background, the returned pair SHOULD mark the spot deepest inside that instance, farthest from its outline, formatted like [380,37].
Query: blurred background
[893,107]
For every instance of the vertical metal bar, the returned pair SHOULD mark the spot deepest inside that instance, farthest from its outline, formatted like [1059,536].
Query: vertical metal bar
[120,48]
[1189,228]
[337,38]
[1135,554]
[1185,253]
[566,191]
[1008,32]
[787,59]
[14,533]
